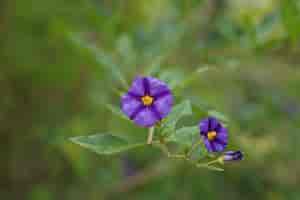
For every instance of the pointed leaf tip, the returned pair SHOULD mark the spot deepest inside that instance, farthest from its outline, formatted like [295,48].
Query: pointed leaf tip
[105,144]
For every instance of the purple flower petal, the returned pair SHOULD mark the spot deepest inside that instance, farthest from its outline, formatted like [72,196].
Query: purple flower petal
[219,146]
[157,87]
[213,146]
[164,105]
[209,145]
[136,112]
[137,86]
[229,153]
[218,143]
[146,117]
[213,123]
[203,126]
[233,156]
[222,135]
[130,105]
[147,101]
[155,111]
[146,85]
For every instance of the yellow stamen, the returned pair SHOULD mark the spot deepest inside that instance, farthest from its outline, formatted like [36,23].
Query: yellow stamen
[147,100]
[211,135]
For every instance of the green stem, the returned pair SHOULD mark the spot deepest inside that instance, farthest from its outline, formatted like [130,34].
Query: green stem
[210,167]
[150,135]
[194,146]
[163,147]
[213,161]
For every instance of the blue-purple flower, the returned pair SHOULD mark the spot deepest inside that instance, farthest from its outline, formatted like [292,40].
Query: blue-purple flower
[232,156]
[147,101]
[214,134]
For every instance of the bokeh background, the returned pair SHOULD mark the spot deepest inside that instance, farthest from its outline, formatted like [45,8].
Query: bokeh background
[63,62]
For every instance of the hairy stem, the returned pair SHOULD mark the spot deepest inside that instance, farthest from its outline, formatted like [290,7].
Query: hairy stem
[150,135]
[186,157]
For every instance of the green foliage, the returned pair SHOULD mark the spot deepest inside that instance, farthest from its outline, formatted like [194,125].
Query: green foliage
[178,111]
[103,59]
[185,136]
[116,111]
[63,63]
[218,115]
[290,12]
[111,143]
[105,143]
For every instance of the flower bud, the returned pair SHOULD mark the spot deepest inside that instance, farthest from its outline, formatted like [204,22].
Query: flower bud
[231,156]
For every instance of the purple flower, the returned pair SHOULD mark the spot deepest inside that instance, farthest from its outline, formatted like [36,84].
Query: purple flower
[214,134]
[232,156]
[147,101]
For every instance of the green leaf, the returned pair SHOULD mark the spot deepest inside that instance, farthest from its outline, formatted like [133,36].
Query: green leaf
[166,47]
[116,111]
[191,78]
[210,167]
[290,14]
[173,78]
[185,136]
[125,50]
[105,144]
[189,139]
[153,69]
[178,111]
[218,115]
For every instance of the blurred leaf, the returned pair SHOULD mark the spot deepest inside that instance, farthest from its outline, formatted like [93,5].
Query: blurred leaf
[117,111]
[214,168]
[190,79]
[249,26]
[126,51]
[185,135]
[172,77]
[269,30]
[290,14]
[218,115]
[103,59]
[41,192]
[173,36]
[105,144]
[179,111]
[153,69]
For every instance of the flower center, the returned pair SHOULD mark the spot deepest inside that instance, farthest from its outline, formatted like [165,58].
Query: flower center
[211,135]
[147,100]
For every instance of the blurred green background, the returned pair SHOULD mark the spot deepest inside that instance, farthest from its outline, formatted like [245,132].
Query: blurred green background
[62,61]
